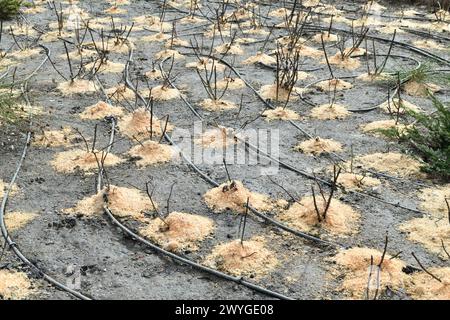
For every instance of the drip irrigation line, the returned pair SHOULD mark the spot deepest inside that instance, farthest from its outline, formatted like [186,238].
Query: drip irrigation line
[14,247]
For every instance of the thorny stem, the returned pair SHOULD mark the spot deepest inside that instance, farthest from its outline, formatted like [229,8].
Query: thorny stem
[424,269]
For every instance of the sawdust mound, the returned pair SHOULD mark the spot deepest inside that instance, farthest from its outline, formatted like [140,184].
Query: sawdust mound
[228,48]
[218,138]
[429,232]
[347,63]
[55,138]
[162,93]
[428,44]
[106,66]
[353,181]
[120,93]
[250,258]
[330,112]
[419,89]
[260,58]
[424,287]
[375,126]
[101,110]
[123,202]
[230,83]
[372,77]
[398,105]
[217,105]
[318,145]
[208,64]
[280,113]
[433,200]
[169,53]
[154,74]
[327,37]
[4,186]
[17,220]
[269,92]
[356,265]
[340,218]
[24,54]
[179,231]
[71,160]
[137,124]
[233,196]
[394,163]
[151,152]
[15,285]
[330,85]
[77,86]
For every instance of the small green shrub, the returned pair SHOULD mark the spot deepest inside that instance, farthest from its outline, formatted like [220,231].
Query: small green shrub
[429,137]
[9,9]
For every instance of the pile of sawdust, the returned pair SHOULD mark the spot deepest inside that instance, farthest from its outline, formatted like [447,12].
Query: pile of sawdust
[79,53]
[356,265]
[233,196]
[169,53]
[318,145]
[424,287]
[123,202]
[115,10]
[70,161]
[55,138]
[353,181]
[24,54]
[269,92]
[176,42]
[151,152]
[419,89]
[375,126]
[120,93]
[217,105]
[340,218]
[218,138]
[398,106]
[330,112]
[228,48]
[230,83]
[157,37]
[429,232]
[433,200]
[4,186]
[17,220]
[208,64]
[77,86]
[327,37]
[154,74]
[106,66]
[15,285]
[333,84]
[428,44]
[250,258]
[304,50]
[100,110]
[280,113]
[179,231]
[372,77]
[137,124]
[354,52]
[394,163]
[343,62]
[162,93]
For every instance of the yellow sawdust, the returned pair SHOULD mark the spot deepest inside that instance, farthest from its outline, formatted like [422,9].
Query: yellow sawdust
[304,50]
[154,74]
[4,185]
[419,89]
[101,110]
[430,232]
[15,285]
[176,42]
[327,37]
[355,52]
[71,160]
[106,66]
[280,113]
[333,84]
[340,218]
[424,287]
[355,263]
[162,93]
[115,10]
[157,37]
[79,53]
[217,105]
[233,196]
[372,77]
[120,45]
[398,106]
[169,53]
[120,93]
[250,258]
[375,126]
[53,36]
[77,86]
[24,54]
[270,92]
[260,58]
[139,124]
[123,202]
[217,138]
[151,152]
[318,146]
[55,138]
[353,181]
[230,83]
[179,231]
[343,62]
[433,200]
[330,112]
[228,48]
[208,64]
[17,220]
[428,44]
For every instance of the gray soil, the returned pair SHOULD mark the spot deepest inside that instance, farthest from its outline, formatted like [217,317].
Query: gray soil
[115,266]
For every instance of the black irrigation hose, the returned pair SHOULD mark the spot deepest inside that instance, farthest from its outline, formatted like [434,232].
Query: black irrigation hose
[183,260]
[10,242]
